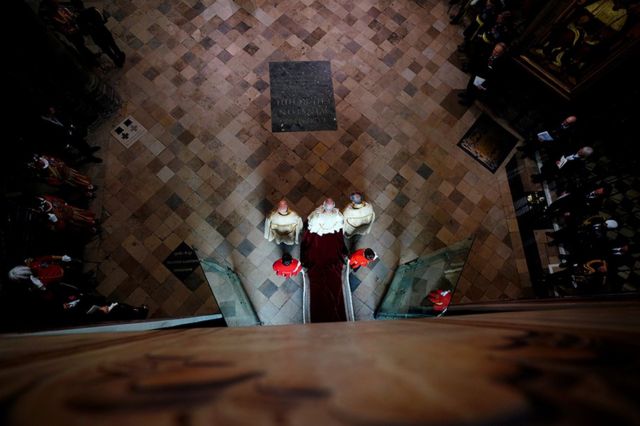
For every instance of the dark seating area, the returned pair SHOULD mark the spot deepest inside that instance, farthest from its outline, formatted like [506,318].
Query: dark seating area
[47,219]
[574,176]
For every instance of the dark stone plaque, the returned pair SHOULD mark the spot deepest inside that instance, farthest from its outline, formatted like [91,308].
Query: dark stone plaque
[488,142]
[302,96]
[182,262]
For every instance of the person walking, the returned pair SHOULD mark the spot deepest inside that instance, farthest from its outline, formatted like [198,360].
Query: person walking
[287,266]
[362,257]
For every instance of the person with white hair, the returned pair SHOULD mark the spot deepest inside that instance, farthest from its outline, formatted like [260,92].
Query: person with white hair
[582,154]
[56,173]
[42,271]
[358,216]
[564,166]
[283,225]
[322,254]
[26,274]
[326,219]
[61,216]
[593,229]
[21,273]
[68,302]
[550,139]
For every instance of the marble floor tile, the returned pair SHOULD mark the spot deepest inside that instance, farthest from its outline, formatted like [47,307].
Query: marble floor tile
[210,169]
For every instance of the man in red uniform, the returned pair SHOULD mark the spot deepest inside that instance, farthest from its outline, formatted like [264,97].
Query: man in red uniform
[440,299]
[361,257]
[62,216]
[57,173]
[287,266]
[46,270]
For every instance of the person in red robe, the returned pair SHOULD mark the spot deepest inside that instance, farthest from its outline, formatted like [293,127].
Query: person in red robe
[48,269]
[440,300]
[56,173]
[287,266]
[43,271]
[62,216]
[323,257]
[361,258]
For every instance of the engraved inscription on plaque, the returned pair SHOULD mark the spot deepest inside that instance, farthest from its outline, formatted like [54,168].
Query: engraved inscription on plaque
[182,262]
[302,96]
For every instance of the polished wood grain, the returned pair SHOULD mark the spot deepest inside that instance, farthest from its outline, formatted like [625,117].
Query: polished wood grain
[572,365]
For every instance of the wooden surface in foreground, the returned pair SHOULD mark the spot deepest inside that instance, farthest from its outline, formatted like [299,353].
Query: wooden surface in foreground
[577,366]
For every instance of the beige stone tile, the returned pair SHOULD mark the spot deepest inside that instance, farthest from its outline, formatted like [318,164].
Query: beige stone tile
[212,176]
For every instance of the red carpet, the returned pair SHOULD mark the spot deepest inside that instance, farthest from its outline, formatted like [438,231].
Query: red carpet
[323,257]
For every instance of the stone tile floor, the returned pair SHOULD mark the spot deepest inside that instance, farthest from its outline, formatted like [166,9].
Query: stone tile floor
[209,168]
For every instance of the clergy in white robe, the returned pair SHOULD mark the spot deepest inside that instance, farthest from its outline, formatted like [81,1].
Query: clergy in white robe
[358,216]
[326,219]
[283,225]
